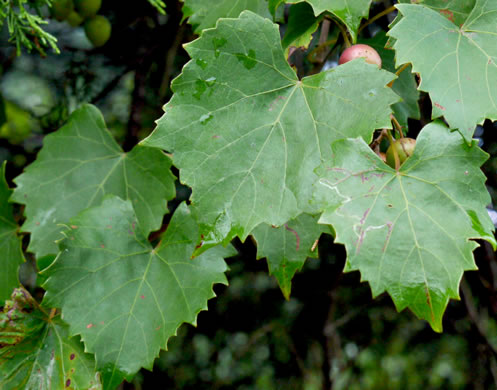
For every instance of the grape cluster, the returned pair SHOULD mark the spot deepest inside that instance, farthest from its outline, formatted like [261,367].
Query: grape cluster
[75,12]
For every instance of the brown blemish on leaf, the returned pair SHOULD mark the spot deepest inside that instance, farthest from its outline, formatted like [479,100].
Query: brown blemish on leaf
[142,297]
[439,106]
[365,178]
[37,223]
[296,235]
[74,227]
[102,246]
[216,136]
[68,383]
[109,226]
[72,356]
[448,14]
[89,326]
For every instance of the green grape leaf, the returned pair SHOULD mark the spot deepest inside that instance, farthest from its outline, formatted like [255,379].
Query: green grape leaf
[286,248]
[203,14]
[77,166]
[405,86]
[458,66]
[457,11]
[246,134]
[408,232]
[10,244]
[125,298]
[36,352]
[301,25]
[349,12]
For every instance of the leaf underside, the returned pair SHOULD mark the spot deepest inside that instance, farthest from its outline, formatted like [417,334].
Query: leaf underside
[246,134]
[80,164]
[122,296]
[457,65]
[408,233]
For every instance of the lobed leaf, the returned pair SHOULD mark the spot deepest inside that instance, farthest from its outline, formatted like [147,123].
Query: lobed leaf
[457,11]
[246,134]
[408,232]
[457,65]
[77,166]
[125,298]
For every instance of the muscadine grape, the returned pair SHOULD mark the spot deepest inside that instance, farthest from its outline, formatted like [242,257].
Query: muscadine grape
[360,50]
[87,8]
[61,9]
[405,148]
[97,30]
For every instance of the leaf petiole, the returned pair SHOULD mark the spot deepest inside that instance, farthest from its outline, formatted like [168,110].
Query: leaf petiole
[395,154]
[376,17]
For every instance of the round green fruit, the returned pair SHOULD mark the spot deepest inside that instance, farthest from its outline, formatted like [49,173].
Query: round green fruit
[87,8]
[61,9]
[405,148]
[97,30]
[356,51]
[74,19]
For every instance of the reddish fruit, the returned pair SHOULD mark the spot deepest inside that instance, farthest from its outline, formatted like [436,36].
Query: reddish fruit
[360,50]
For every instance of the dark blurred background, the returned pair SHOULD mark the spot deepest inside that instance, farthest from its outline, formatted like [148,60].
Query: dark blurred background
[331,334]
